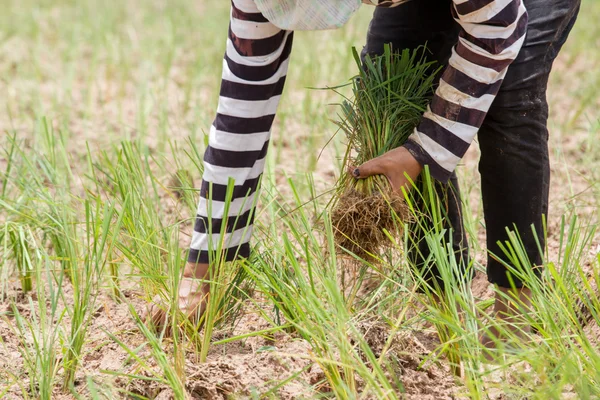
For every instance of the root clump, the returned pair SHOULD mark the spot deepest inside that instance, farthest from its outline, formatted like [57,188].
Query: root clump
[360,221]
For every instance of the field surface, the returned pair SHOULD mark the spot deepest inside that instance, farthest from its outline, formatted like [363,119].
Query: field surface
[104,111]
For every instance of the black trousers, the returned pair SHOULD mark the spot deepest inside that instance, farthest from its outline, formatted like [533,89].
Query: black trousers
[514,164]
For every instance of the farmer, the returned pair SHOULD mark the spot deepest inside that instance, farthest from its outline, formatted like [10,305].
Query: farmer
[497,56]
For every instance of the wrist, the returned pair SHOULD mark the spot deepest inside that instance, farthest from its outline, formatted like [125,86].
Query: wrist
[414,166]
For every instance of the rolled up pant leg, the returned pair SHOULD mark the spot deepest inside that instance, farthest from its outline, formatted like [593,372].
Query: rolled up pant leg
[254,72]
[514,165]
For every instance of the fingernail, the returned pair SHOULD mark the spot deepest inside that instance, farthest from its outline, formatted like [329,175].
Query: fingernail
[356,172]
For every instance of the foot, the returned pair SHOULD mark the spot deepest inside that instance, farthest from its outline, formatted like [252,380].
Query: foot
[510,310]
[193,298]
[393,164]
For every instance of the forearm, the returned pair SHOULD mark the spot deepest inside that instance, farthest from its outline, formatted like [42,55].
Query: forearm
[254,71]
[490,40]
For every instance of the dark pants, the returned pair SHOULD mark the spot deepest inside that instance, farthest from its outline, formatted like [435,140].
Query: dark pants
[514,165]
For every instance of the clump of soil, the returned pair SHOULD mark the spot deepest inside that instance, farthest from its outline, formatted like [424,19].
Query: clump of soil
[360,221]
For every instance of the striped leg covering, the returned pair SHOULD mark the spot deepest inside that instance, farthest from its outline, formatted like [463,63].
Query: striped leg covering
[254,71]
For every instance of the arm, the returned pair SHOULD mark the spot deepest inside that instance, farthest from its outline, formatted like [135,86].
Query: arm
[492,35]
[254,71]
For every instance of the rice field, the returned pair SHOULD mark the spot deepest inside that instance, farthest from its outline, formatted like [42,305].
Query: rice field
[104,112]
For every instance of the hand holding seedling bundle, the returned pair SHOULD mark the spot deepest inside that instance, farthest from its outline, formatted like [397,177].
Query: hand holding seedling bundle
[390,95]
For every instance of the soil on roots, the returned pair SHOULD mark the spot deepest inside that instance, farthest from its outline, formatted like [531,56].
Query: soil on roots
[360,221]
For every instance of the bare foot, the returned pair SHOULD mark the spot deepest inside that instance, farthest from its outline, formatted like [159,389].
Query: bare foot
[510,309]
[393,164]
[193,298]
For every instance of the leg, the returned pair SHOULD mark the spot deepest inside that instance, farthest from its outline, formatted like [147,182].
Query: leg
[414,24]
[411,25]
[254,72]
[448,196]
[514,166]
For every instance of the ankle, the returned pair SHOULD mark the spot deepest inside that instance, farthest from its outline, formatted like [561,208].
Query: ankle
[193,288]
[196,270]
[513,306]
[193,282]
[512,301]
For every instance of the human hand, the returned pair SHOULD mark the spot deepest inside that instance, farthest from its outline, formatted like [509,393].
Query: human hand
[393,164]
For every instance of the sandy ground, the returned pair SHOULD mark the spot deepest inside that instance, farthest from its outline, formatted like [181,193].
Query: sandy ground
[257,363]
[239,368]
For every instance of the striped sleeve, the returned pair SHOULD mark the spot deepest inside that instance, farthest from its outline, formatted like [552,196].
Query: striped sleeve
[254,71]
[385,3]
[492,34]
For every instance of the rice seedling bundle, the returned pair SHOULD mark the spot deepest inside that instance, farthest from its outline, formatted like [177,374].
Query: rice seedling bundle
[390,94]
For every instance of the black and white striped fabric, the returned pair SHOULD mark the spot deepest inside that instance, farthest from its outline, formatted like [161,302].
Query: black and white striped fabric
[254,71]
[493,32]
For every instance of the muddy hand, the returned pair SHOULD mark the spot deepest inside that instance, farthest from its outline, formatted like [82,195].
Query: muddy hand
[393,165]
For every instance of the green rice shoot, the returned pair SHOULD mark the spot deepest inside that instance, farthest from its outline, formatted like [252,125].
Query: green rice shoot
[390,94]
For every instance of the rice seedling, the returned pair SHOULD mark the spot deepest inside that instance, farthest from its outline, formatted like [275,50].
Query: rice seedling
[142,239]
[564,302]
[39,329]
[390,93]
[99,114]
[18,240]
[300,278]
[151,246]
[86,273]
